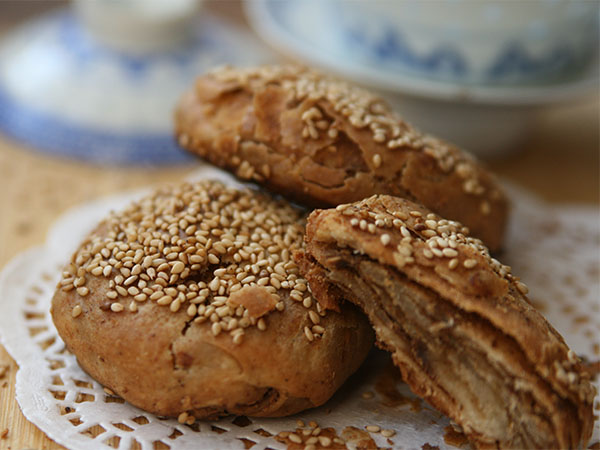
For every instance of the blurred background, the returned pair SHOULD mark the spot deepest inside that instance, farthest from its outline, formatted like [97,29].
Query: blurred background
[87,89]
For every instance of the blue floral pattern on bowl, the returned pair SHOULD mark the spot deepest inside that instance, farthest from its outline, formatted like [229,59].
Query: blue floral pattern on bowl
[510,42]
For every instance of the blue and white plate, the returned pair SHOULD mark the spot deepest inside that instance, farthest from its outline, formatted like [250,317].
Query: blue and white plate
[63,93]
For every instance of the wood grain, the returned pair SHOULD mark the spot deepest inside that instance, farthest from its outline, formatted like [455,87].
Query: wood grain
[559,161]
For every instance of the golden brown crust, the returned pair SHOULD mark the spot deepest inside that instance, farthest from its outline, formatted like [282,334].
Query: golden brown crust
[458,324]
[323,142]
[167,357]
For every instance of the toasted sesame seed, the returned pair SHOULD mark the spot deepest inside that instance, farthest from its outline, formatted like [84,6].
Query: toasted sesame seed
[76,311]
[373,428]
[116,307]
[385,239]
[325,441]
[295,438]
[133,307]
[307,302]
[121,291]
[216,328]
[470,263]
[453,263]
[377,160]
[314,317]
[388,433]
[308,333]
[83,291]
[183,417]
[261,324]
[449,252]
[165,300]
[522,287]
[178,267]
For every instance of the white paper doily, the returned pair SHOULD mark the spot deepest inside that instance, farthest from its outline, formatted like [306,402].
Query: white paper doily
[556,252]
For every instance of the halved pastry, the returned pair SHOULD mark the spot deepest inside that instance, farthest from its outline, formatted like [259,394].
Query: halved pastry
[458,324]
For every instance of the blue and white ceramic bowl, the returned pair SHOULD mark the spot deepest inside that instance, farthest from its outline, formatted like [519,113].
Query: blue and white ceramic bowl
[468,41]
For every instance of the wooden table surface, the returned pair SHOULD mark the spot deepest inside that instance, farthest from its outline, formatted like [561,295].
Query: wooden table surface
[559,161]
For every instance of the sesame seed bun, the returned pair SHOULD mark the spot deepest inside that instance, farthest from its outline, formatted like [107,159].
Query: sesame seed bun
[457,322]
[322,142]
[188,304]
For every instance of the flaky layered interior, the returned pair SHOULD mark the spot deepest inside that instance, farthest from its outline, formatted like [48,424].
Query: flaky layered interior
[456,360]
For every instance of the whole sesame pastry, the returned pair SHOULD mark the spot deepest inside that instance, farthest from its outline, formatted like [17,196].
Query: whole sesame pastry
[457,322]
[188,304]
[321,142]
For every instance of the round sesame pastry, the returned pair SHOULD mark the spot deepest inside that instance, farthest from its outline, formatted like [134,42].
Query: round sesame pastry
[322,142]
[188,304]
[457,322]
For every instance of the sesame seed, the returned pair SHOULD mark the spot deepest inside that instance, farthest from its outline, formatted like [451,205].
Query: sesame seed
[308,333]
[325,441]
[121,291]
[522,287]
[76,311]
[178,267]
[385,239]
[133,307]
[388,433]
[216,328]
[453,263]
[470,263]
[183,417]
[373,428]
[307,302]
[295,438]
[377,160]
[116,307]
[83,291]
[165,300]
[449,252]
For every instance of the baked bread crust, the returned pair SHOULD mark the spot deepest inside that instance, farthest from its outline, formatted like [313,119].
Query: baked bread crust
[185,359]
[323,142]
[458,324]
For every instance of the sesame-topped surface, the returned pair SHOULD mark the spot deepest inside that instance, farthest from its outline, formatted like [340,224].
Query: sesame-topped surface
[456,320]
[188,304]
[221,255]
[323,141]
[440,255]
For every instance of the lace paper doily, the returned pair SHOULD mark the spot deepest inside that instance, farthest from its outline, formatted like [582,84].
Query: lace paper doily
[554,250]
